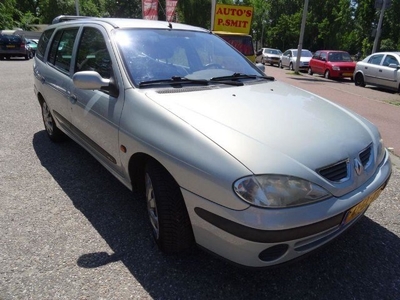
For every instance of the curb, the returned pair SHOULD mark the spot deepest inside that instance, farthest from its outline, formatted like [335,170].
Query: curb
[395,160]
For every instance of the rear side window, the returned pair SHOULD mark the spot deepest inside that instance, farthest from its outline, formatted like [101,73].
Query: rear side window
[61,48]
[376,59]
[42,44]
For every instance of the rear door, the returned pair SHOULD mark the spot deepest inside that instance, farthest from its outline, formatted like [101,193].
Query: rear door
[55,75]
[371,69]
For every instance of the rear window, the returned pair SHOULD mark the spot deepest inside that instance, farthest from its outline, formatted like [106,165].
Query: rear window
[42,44]
[10,39]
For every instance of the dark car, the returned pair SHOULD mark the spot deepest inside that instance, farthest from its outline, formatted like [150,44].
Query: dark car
[14,46]
[332,64]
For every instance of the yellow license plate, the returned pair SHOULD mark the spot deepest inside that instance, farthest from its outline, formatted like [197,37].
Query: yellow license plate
[10,46]
[360,207]
[348,74]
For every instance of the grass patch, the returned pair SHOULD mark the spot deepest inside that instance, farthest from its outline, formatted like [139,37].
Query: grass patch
[393,102]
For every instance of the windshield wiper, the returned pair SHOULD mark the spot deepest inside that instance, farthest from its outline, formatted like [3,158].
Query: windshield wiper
[177,80]
[236,76]
[174,80]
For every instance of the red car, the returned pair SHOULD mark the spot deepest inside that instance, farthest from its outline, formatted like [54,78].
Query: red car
[332,64]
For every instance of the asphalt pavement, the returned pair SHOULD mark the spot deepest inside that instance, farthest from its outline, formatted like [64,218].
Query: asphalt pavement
[70,230]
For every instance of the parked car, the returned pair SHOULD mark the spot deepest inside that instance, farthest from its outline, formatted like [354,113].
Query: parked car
[32,44]
[221,152]
[268,56]
[332,64]
[381,69]
[14,46]
[289,58]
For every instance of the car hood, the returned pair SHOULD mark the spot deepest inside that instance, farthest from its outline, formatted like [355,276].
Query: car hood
[271,127]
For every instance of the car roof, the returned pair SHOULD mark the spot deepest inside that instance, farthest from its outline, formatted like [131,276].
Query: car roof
[125,23]
[388,52]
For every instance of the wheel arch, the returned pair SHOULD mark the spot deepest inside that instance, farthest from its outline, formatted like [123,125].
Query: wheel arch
[136,169]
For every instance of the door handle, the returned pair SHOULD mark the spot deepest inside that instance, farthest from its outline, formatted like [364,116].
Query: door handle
[73,98]
[380,71]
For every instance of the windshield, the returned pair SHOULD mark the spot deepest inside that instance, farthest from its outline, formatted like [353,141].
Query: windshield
[158,54]
[339,56]
[274,51]
[304,53]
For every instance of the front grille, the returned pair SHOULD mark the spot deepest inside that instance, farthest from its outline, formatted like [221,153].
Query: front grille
[365,156]
[335,172]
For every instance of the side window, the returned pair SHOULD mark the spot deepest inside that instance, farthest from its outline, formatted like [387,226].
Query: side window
[43,42]
[61,48]
[316,55]
[323,56]
[93,54]
[376,59]
[389,59]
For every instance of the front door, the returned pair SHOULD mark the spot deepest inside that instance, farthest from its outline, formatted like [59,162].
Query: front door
[95,114]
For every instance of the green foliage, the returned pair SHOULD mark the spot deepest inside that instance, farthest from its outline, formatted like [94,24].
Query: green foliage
[335,24]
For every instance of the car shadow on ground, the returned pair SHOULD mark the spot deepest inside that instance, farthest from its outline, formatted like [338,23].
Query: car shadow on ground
[362,264]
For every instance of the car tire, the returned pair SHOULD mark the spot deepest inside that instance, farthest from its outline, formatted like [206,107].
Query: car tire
[27,56]
[309,71]
[291,67]
[167,211]
[359,80]
[54,133]
[280,65]
[327,74]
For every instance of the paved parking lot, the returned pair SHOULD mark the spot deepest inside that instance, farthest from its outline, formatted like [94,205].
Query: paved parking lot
[69,230]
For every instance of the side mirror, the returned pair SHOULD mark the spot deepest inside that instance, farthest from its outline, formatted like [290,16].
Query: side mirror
[91,80]
[394,66]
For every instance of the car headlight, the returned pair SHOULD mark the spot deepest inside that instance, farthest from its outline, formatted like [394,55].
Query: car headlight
[335,68]
[278,191]
[380,151]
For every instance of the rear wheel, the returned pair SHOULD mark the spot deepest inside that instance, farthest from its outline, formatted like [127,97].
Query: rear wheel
[54,133]
[359,80]
[167,211]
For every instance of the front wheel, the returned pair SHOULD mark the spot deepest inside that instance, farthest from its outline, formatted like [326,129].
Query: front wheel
[291,67]
[280,65]
[359,80]
[327,74]
[310,72]
[54,133]
[167,211]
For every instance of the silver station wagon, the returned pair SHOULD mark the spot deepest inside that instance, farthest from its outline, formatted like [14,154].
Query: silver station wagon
[247,167]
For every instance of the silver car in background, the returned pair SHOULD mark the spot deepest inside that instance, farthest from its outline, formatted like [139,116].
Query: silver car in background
[381,69]
[289,58]
[268,56]
[249,168]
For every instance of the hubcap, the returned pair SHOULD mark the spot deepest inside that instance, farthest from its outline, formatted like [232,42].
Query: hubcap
[152,206]
[47,119]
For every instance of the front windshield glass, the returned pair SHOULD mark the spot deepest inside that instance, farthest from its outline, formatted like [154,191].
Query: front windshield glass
[339,56]
[304,53]
[158,54]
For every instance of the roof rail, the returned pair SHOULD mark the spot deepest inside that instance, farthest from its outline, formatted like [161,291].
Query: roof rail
[64,18]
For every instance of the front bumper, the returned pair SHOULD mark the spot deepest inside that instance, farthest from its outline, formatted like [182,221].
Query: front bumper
[258,237]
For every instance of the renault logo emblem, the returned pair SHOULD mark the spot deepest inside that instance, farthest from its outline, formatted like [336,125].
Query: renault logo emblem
[358,166]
